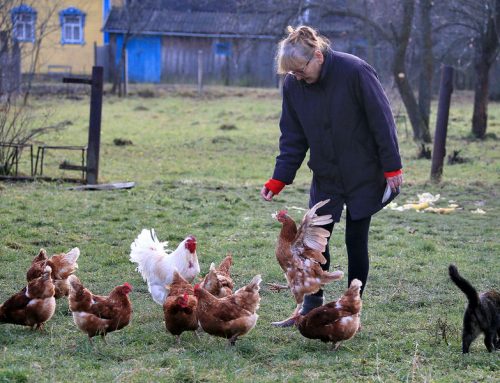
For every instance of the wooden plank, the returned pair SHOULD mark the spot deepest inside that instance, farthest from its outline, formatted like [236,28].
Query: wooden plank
[114,186]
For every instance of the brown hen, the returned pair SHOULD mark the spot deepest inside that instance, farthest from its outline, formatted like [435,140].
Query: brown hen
[232,316]
[96,314]
[299,254]
[179,308]
[62,265]
[218,281]
[336,321]
[33,305]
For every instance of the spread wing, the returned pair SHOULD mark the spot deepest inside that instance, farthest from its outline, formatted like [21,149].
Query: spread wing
[311,239]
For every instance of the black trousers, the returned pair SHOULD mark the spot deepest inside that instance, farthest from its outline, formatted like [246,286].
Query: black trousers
[356,240]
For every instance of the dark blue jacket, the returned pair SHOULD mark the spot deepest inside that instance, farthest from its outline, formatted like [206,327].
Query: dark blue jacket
[345,121]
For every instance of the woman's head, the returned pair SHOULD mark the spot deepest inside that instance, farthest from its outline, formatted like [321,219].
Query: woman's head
[301,53]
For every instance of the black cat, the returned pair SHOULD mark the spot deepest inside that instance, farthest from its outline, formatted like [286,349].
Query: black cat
[482,314]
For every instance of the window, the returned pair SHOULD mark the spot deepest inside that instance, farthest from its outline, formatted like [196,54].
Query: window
[23,22]
[72,22]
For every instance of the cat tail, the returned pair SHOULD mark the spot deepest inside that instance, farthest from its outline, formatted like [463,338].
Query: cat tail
[464,285]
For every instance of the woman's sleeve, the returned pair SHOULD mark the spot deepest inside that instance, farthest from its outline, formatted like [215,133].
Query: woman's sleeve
[293,144]
[379,117]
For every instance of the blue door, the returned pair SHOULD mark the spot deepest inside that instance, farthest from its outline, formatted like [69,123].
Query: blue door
[144,58]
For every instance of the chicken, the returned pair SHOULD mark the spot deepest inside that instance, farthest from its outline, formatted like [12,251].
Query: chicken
[336,321]
[218,281]
[179,308]
[232,316]
[157,267]
[63,265]
[299,254]
[99,315]
[33,305]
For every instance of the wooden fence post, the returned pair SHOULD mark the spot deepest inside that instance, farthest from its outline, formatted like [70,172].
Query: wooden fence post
[439,152]
[200,73]
[94,125]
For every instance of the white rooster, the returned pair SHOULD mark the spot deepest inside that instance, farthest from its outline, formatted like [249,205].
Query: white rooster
[157,266]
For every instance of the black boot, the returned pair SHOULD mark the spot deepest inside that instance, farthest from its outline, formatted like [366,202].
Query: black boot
[311,302]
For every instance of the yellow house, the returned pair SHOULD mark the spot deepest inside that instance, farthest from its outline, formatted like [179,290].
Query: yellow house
[58,36]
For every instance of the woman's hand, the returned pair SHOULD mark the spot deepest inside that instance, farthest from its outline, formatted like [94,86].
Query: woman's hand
[395,181]
[266,193]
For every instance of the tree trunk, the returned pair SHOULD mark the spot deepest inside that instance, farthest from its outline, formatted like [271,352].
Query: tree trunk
[485,54]
[401,40]
[480,115]
[420,129]
[426,61]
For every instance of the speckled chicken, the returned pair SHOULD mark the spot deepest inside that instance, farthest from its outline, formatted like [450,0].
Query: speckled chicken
[299,254]
[62,265]
[218,281]
[33,305]
[179,308]
[232,316]
[336,321]
[97,314]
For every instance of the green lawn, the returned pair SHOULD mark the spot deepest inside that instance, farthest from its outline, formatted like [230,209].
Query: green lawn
[192,177]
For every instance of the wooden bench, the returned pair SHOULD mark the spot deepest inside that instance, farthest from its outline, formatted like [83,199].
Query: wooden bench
[41,154]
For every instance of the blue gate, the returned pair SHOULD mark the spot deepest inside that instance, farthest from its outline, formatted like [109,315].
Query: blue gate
[144,58]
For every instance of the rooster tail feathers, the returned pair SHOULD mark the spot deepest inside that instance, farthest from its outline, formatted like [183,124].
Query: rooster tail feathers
[147,239]
[146,250]
[212,267]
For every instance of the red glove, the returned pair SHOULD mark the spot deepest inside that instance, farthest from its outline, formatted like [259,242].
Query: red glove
[275,185]
[393,173]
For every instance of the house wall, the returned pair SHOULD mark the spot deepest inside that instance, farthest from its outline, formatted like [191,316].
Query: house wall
[54,55]
[250,62]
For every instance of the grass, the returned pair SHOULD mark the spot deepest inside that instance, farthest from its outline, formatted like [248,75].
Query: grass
[194,177]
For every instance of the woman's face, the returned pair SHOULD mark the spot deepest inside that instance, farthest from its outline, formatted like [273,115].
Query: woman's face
[310,70]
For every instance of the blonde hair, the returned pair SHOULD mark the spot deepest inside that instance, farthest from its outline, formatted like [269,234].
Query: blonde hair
[298,46]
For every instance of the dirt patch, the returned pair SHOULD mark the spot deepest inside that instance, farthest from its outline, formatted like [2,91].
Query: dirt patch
[122,142]
[228,127]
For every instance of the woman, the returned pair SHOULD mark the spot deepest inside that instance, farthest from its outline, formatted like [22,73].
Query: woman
[335,107]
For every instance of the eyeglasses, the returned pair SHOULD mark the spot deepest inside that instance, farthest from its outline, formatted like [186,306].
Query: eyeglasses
[301,71]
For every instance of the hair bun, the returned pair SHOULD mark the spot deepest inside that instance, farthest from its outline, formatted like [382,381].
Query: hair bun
[306,32]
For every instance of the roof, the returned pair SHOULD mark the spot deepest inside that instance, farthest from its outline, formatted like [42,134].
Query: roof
[168,22]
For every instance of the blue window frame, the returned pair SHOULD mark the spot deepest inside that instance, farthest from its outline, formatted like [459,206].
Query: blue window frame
[72,22]
[23,23]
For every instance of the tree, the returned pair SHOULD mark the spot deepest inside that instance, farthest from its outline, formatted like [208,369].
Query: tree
[18,122]
[426,59]
[392,22]
[475,27]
